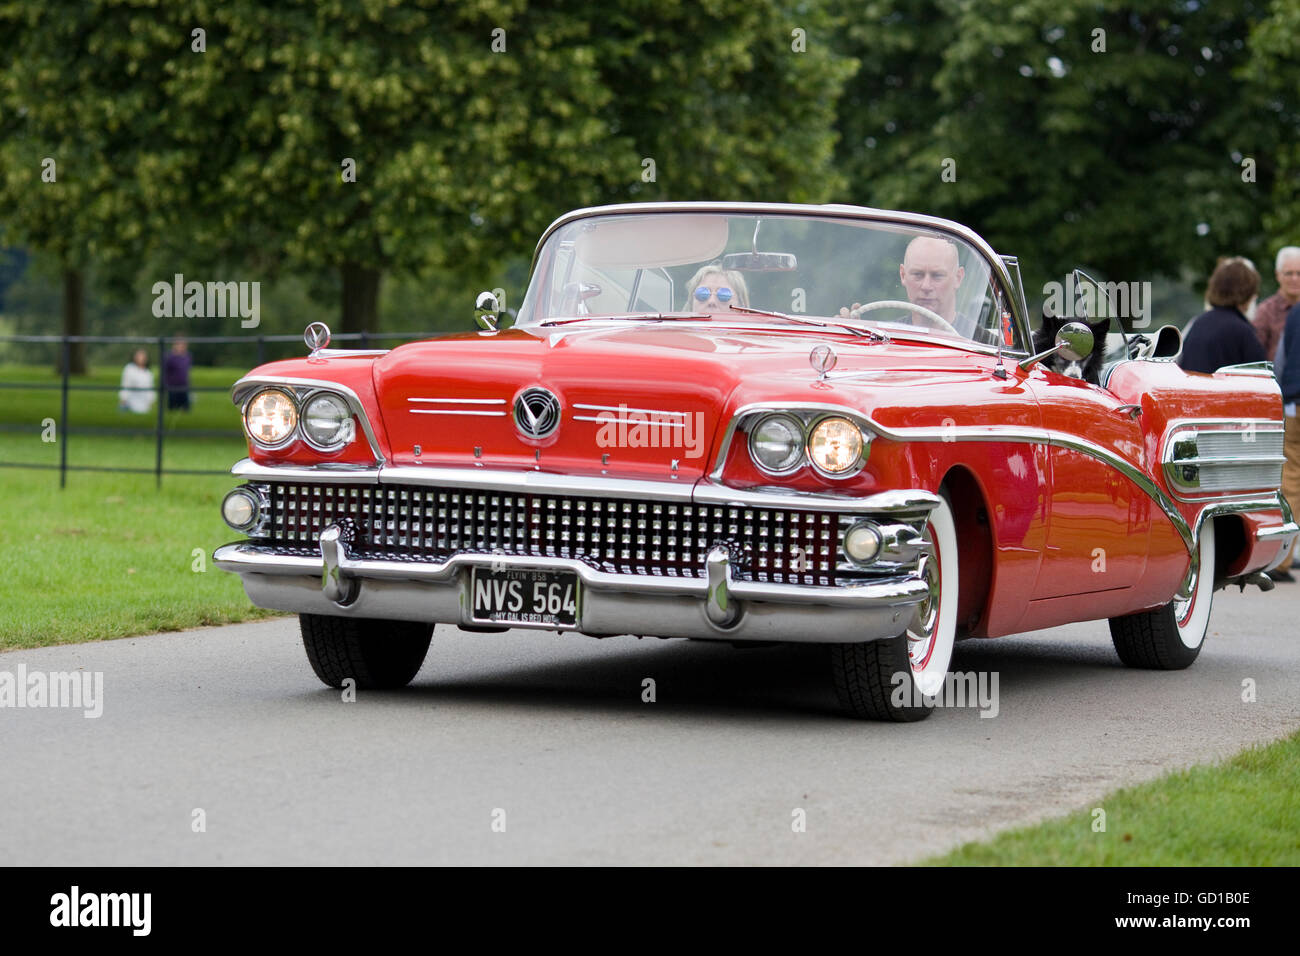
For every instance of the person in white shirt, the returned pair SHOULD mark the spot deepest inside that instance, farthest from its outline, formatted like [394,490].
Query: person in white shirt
[137,392]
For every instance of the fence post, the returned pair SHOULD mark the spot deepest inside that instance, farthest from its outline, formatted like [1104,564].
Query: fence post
[157,466]
[365,340]
[261,350]
[63,414]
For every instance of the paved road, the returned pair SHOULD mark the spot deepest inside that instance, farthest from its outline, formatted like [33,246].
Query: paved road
[553,731]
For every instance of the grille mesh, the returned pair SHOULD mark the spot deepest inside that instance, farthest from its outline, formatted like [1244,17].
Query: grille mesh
[627,536]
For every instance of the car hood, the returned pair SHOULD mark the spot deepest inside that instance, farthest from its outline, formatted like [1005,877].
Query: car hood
[637,400]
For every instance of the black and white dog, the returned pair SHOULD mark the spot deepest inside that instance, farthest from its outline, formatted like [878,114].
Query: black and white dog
[1090,368]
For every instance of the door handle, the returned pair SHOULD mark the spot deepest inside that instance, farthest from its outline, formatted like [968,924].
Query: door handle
[1132,411]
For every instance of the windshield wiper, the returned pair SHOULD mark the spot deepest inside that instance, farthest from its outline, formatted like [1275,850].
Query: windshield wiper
[641,316]
[801,320]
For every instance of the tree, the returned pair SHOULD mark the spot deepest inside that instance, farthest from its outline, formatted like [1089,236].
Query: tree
[1273,73]
[1104,134]
[374,138]
[80,115]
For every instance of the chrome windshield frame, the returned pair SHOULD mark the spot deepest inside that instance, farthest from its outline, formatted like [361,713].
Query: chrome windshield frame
[997,267]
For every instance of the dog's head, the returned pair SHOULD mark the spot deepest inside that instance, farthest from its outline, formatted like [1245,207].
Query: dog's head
[1089,366]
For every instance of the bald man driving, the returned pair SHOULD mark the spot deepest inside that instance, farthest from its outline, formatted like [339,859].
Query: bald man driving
[931,273]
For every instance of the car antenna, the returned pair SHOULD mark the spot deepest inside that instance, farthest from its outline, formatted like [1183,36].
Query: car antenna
[1000,372]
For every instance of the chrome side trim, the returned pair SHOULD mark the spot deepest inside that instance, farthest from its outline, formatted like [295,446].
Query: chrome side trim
[325,472]
[623,408]
[1251,369]
[303,389]
[462,401]
[453,411]
[627,421]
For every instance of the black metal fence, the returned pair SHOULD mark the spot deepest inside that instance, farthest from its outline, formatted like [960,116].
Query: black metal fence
[66,386]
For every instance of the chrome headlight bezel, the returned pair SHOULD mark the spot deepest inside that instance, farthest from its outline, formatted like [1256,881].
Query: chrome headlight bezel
[857,463]
[798,444]
[259,509]
[292,404]
[346,429]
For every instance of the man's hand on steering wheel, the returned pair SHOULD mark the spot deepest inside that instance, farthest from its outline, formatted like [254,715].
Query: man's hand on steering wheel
[935,320]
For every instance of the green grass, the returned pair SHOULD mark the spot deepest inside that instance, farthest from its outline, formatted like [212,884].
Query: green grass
[1241,812]
[111,555]
[211,410]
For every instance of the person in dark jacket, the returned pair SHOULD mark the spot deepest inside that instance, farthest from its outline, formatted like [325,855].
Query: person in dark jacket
[1287,368]
[1223,335]
[176,376]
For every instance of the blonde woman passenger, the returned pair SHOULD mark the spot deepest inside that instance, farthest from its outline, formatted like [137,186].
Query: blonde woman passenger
[715,289]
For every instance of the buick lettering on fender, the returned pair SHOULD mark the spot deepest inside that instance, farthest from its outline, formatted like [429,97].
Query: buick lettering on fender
[757,422]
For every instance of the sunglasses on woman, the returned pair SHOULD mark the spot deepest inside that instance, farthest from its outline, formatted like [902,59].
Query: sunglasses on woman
[703,292]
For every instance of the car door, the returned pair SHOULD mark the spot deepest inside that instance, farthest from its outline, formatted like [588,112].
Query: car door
[1099,518]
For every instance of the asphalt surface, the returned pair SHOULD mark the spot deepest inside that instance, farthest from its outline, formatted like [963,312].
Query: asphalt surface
[553,731]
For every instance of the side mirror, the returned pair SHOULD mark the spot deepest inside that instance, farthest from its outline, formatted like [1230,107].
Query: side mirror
[487,311]
[1073,340]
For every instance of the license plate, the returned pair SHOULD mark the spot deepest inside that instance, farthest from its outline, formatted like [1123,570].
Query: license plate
[533,597]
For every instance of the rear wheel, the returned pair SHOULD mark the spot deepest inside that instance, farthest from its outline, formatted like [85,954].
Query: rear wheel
[891,679]
[377,654]
[1170,637]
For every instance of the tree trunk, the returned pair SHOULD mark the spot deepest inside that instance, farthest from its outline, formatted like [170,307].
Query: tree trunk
[360,298]
[74,321]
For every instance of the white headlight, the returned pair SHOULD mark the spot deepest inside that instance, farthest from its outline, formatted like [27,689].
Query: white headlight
[327,420]
[776,443]
[835,446]
[271,416]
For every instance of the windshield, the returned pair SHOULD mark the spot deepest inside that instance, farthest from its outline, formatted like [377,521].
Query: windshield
[715,266]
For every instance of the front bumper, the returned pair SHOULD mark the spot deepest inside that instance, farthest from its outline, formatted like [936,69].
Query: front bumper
[405,550]
[715,607]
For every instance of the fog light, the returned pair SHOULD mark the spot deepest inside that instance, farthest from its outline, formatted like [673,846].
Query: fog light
[862,543]
[240,509]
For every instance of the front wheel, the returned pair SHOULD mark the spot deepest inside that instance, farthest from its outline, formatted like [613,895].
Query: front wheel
[376,654]
[897,679]
[1170,637]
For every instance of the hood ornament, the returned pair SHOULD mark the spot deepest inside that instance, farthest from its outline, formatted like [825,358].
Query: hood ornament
[822,358]
[317,336]
[537,412]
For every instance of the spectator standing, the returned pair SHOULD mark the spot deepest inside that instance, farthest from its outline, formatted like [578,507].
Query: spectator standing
[1223,335]
[1271,315]
[137,385]
[176,375]
[1287,368]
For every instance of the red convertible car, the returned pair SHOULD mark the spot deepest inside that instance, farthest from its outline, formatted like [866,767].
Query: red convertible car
[757,423]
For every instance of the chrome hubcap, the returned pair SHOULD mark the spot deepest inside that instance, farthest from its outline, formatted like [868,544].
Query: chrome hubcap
[921,632]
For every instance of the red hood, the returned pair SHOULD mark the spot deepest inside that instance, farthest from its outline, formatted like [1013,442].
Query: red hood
[661,394]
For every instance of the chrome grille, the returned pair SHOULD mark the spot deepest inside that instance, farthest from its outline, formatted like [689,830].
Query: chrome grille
[625,536]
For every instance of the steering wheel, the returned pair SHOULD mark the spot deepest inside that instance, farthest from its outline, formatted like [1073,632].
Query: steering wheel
[939,321]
